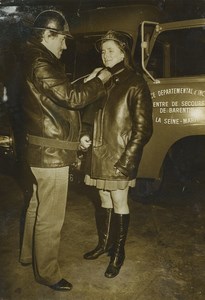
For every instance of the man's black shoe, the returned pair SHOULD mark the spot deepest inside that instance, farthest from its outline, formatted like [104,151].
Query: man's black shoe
[63,286]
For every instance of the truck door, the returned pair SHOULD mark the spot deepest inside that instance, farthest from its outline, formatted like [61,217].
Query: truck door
[173,61]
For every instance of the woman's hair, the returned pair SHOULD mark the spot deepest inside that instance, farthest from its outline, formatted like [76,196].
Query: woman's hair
[128,60]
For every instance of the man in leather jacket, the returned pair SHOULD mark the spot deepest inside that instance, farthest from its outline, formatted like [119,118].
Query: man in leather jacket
[52,126]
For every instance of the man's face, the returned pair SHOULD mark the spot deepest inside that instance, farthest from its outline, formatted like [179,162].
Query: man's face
[57,44]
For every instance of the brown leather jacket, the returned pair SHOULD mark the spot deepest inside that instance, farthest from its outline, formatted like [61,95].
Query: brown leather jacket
[122,126]
[50,104]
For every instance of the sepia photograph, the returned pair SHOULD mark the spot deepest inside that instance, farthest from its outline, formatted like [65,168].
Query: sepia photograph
[102,149]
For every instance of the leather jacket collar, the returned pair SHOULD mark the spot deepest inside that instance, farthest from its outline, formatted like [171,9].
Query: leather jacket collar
[117,68]
[120,73]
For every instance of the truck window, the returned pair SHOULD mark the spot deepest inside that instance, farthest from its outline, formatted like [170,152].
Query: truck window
[178,53]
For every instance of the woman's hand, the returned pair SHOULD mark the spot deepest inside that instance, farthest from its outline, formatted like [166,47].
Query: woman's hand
[85,142]
[93,74]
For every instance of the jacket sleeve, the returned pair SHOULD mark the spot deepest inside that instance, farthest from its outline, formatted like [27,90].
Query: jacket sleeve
[140,106]
[88,116]
[53,82]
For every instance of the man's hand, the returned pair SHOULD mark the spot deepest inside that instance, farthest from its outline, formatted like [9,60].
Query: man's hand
[93,74]
[85,142]
[104,75]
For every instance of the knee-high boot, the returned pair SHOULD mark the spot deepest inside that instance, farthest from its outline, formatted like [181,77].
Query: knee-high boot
[118,251]
[104,220]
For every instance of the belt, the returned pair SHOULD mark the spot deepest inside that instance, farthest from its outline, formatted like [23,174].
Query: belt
[54,143]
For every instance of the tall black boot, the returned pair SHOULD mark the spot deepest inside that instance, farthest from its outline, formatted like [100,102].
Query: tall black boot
[103,218]
[118,251]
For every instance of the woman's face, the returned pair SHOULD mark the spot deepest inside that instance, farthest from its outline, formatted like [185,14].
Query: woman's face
[111,53]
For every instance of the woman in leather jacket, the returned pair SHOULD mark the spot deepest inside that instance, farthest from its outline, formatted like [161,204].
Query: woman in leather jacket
[122,125]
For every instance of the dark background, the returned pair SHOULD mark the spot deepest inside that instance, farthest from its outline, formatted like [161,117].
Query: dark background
[175,9]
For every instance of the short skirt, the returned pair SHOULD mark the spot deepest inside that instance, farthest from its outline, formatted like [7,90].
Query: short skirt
[109,185]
